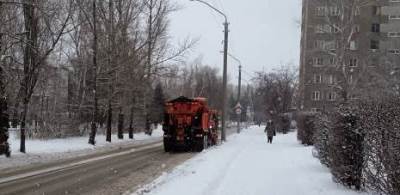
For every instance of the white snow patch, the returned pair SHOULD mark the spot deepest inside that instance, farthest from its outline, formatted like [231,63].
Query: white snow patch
[246,164]
[53,149]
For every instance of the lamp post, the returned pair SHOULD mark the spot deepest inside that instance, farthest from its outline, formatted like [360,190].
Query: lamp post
[239,90]
[224,78]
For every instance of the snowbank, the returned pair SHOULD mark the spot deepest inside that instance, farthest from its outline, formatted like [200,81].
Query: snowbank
[246,164]
[39,151]
[74,143]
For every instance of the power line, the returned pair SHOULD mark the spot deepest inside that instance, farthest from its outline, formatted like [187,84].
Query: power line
[248,74]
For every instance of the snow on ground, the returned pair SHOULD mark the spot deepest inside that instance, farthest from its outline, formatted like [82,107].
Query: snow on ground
[247,165]
[73,143]
[38,151]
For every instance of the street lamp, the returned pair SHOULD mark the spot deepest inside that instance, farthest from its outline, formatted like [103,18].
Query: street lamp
[239,112]
[224,78]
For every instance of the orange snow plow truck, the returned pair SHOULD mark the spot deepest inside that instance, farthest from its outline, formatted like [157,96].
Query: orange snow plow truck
[189,124]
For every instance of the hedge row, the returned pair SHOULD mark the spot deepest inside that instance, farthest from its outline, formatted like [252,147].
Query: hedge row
[359,142]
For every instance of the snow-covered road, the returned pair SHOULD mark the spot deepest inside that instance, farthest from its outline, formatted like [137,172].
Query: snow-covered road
[247,165]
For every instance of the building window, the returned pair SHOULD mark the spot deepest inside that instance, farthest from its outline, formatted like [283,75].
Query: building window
[317,78]
[334,11]
[319,44]
[318,61]
[357,12]
[316,96]
[374,44]
[330,79]
[353,45]
[331,96]
[328,28]
[394,17]
[319,29]
[323,28]
[315,110]
[330,45]
[332,61]
[356,28]
[376,10]
[394,51]
[321,11]
[353,62]
[375,28]
[393,34]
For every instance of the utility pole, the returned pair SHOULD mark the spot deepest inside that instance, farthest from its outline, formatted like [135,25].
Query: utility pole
[224,80]
[238,108]
[225,74]
[238,98]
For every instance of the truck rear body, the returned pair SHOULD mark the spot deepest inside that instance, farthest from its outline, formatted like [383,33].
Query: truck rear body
[189,124]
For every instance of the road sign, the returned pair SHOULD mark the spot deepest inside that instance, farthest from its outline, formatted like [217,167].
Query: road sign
[238,110]
[238,106]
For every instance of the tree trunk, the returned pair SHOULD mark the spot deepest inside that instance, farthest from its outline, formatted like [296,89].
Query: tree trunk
[94,118]
[149,59]
[15,117]
[23,125]
[131,122]
[109,121]
[30,72]
[120,125]
[110,65]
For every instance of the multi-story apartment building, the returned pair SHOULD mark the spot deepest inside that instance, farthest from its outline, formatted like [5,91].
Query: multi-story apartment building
[392,29]
[343,40]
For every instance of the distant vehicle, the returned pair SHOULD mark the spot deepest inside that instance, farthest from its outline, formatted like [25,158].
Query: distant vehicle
[189,124]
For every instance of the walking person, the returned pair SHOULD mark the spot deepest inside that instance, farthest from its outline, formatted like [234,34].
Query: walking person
[270,130]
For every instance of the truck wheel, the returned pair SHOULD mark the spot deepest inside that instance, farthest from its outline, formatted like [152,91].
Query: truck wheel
[205,142]
[167,146]
[200,144]
[8,152]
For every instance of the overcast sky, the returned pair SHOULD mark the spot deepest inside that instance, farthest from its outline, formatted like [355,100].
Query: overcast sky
[263,33]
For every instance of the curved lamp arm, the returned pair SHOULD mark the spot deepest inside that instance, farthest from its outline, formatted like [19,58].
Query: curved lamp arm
[212,7]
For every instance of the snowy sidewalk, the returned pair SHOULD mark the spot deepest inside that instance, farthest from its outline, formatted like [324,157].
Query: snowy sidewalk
[247,165]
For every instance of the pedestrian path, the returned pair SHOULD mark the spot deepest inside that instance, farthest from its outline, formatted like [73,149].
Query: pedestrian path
[247,165]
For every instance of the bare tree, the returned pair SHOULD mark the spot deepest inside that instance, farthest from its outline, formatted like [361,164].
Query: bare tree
[76,68]
[41,40]
[275,91]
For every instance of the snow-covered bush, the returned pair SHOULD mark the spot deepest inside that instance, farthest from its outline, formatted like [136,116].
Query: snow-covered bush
[321,138]
[346,146]
[360,143]
[283,123]
[306,127]
[381,123]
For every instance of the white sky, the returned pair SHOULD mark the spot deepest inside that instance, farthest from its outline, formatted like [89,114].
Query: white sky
[263,33]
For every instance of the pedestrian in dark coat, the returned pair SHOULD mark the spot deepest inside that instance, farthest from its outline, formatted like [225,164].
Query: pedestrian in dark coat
[270,130]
